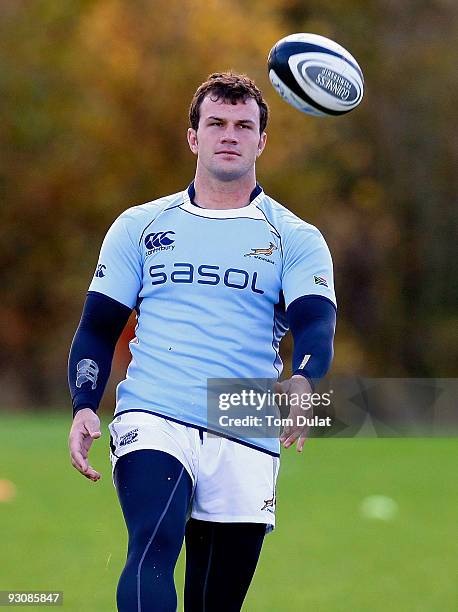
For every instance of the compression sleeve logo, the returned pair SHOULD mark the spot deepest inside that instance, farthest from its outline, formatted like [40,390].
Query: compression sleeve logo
[87,371]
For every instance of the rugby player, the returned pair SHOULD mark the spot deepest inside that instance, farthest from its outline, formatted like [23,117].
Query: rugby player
[217,274]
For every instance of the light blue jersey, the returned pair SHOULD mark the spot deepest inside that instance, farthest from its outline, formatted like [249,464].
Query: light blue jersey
[210,288]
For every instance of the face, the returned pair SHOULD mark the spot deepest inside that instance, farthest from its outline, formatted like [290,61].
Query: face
[227,141]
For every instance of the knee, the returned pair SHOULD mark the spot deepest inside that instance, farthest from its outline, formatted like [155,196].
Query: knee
[149,540]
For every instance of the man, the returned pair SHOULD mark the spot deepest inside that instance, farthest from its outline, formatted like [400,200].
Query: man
[217,274]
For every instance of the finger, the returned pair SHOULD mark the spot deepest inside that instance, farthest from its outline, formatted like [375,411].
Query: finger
[75,440]
[76,449]
[285,434]
[80,441]
[79,462]
[290,429]
[92,474]
[87,471]
[291,439]
[301,442]
[94,432]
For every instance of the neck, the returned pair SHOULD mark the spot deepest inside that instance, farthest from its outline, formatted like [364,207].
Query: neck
[220,195]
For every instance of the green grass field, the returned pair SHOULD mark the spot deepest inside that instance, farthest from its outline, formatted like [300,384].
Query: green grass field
[62,532]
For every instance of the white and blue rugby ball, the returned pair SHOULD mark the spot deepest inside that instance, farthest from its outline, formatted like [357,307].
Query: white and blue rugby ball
[315,75]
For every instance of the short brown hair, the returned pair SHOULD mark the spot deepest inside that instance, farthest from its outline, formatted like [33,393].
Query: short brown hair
[232,88]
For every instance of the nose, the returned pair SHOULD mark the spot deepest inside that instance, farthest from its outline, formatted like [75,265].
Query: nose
[229,135]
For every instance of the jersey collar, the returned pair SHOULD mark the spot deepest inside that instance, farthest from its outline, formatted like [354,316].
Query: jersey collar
[250,211]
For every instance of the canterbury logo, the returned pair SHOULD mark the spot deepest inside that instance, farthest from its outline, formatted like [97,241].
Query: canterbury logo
[100,271]
[268,503]
[159,239]
[268,251]
[86,371]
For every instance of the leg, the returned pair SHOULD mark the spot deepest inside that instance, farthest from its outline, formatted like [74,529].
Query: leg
[220,562]
[154,490]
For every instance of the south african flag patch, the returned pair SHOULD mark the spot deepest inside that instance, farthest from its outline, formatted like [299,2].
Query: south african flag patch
[319,280]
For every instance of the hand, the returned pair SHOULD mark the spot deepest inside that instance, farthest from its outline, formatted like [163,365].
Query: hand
[85,429]
[298,386]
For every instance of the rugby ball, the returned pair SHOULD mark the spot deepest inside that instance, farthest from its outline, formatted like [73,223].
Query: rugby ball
[315,75]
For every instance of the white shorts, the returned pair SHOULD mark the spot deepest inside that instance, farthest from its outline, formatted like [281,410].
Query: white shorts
[232,483]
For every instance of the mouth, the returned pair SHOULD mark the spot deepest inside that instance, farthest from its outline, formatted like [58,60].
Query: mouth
[228,153]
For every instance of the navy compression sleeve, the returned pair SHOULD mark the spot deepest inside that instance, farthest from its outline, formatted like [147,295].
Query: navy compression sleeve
[312,320]
[92,349]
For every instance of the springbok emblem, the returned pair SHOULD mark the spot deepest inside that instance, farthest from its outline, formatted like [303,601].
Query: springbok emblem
[267,251]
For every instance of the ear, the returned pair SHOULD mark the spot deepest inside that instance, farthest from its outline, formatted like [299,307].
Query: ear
[262,143]
[192,140]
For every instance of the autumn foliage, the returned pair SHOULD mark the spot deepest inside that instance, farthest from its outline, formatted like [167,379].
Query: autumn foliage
[94,113]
